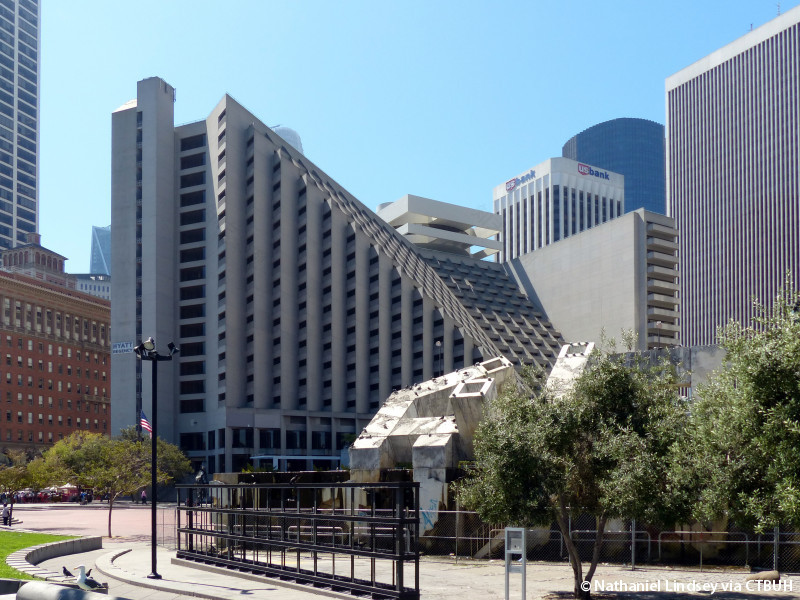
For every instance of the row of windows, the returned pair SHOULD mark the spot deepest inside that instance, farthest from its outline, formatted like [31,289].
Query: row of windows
[59,367]
[58,385]
[85,406]
[45,320]
[50,421]
[58,350]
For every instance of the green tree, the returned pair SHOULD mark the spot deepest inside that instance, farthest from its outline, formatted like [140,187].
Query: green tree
[14,475]
[599,448]
[741,451]
[116,467]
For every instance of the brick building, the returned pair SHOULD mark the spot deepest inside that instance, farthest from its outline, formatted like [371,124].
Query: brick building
[54,352]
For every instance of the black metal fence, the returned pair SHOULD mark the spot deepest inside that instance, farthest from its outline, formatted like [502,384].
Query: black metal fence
[347,537]
[462,533]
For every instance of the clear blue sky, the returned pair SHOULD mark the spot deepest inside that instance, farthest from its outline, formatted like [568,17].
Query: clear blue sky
[439,98]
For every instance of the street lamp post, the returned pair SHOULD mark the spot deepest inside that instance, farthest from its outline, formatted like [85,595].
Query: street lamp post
[658,327]
[147,351]
[439,352]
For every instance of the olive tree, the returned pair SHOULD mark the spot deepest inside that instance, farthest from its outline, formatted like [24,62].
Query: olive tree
[601,448]
[741,451]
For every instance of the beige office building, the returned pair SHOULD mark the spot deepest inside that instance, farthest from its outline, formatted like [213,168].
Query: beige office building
[619,276]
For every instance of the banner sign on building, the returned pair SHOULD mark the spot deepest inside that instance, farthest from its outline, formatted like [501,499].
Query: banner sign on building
[121,347]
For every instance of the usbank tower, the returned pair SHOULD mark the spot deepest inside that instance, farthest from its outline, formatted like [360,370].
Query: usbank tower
[554,200]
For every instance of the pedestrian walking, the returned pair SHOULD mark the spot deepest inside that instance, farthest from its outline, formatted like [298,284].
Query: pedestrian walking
[144,497]
[6,514]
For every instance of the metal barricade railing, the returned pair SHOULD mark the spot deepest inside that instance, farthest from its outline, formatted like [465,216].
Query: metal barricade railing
[350,537]
[462,533]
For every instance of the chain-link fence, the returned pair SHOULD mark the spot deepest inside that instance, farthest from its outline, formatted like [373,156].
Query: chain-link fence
[166,526]
[462,533]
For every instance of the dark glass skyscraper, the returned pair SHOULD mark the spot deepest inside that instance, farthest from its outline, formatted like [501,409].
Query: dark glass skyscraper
[632,147]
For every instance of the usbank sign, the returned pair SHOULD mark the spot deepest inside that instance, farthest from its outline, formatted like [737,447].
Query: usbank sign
[587,170]
[511,184]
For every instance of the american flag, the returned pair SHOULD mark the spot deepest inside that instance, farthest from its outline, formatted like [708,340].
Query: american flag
[146,424]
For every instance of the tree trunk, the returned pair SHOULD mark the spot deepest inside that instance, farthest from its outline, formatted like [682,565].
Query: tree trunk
[110,506]
[562,516]
[598,542]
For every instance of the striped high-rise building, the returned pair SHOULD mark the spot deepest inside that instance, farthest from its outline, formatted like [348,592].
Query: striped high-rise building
[19,120]
[733,175]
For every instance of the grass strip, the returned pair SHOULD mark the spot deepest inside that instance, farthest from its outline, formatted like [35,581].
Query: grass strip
[11,541]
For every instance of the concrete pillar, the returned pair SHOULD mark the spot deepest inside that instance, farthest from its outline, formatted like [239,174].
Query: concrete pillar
[314,201]
[288,230]
[407,332]
[362,323]
[385,328]
[339,230]
[429,353]
[447,345]
[263,161]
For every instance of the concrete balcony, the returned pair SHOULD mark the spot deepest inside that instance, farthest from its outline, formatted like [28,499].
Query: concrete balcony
[665,339]
[662,245]
[663,300]
[665,328]
[662,273]
[662,314]
[662,231]
[668,261]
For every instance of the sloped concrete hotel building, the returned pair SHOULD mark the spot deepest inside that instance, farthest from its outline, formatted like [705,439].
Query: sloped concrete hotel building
[733,175]
[296,308]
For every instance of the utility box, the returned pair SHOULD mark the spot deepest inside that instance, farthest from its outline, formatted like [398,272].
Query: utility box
[516,554]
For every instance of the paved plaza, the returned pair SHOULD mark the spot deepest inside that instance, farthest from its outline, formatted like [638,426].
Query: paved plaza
[125,561]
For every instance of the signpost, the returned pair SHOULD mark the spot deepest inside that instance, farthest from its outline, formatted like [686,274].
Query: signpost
[516,554]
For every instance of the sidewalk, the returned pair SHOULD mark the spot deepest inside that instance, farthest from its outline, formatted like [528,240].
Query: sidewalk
[125,567]
[440,579]
[125,563]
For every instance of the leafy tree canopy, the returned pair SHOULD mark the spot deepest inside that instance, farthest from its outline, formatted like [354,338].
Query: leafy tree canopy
[112,466]
[742,451]
[601,447]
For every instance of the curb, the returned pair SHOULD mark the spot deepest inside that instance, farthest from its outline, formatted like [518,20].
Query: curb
[25,560]
[105,565]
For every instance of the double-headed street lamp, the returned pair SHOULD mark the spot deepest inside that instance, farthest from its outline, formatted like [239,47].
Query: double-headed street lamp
[147,351]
